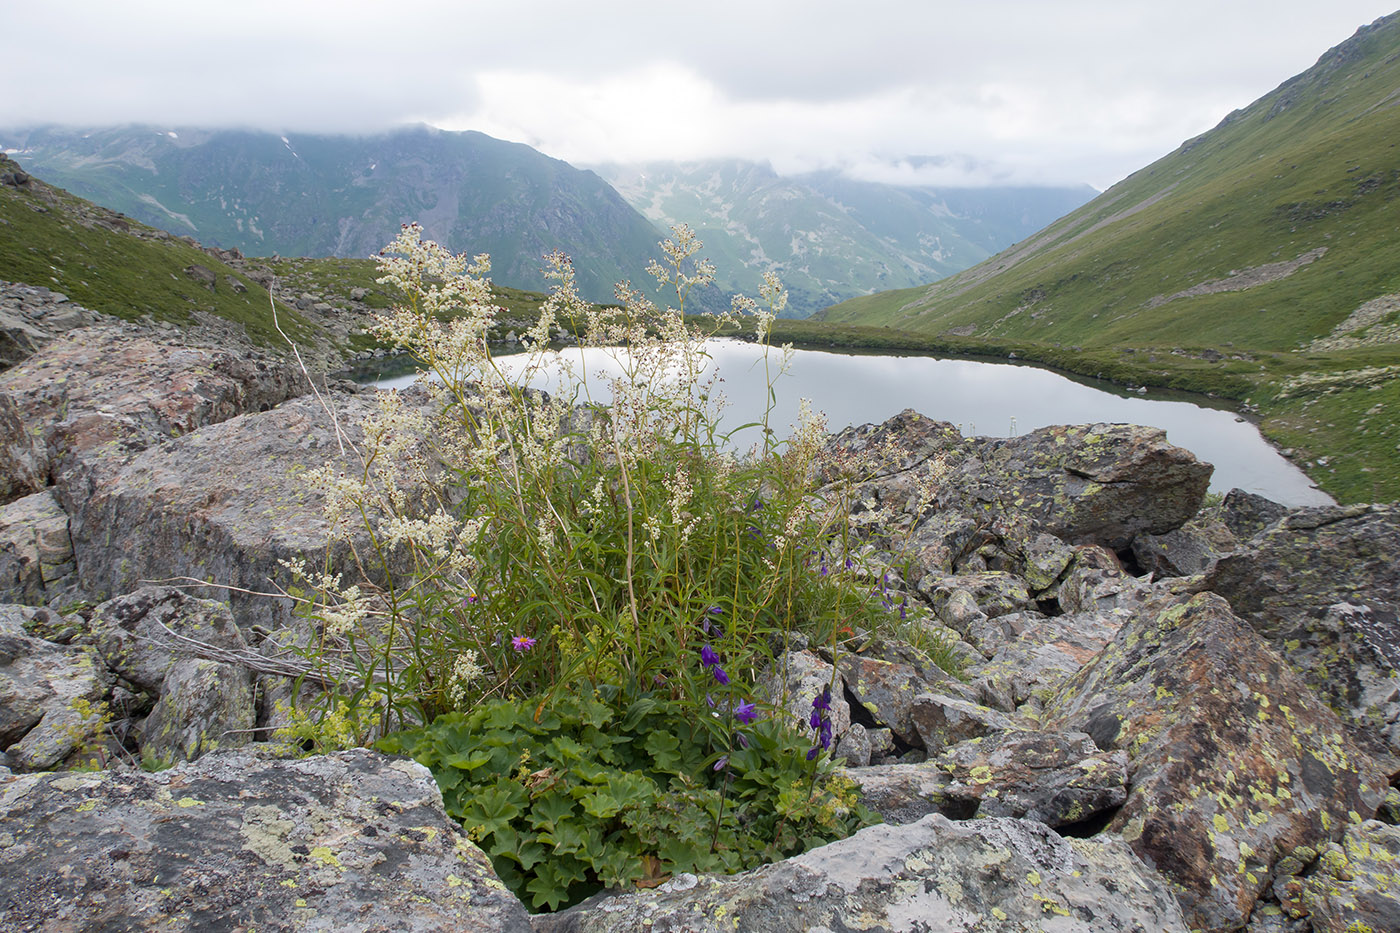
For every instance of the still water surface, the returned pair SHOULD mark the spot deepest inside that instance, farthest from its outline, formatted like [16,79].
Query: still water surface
[993,399]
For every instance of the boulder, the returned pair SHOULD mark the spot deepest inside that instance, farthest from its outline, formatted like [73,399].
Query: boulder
[1039,653]
[1053,778]
[795,680]
[51,697]
[1056,779]
[203,706]
[225,504]
[1247,513]
[36,552]
[956,499]
[97,397]
[1323,586]
[140,634]
[1188,550]
[886,690]
[943,720]
[1234,761]
[993,874]
[350,841]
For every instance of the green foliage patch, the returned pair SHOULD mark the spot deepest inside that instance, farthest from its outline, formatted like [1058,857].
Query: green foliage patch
[582,793]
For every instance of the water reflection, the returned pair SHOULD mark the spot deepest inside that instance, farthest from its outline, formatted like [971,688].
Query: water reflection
[995,399]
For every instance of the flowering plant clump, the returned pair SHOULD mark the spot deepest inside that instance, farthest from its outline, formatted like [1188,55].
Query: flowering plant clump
[515,551]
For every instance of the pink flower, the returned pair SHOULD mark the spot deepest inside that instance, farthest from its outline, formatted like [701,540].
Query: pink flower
[522,643]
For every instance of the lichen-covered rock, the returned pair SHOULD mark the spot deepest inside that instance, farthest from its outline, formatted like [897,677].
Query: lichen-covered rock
[1052,778]
[1234,762]
[886,690]
[1099,483]
[995,593]
[934,874]
[1057,779]
[956,499]
[347,842]
[1039,653]
[941,720]
[36,553]
[203,706]
[101,394]
[1323,586]
[1247,513]
[50,696]
[139,633]
[1354,885]
[1185,551]
[227,503]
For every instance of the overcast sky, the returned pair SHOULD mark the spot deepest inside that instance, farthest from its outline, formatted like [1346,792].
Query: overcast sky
[999,91]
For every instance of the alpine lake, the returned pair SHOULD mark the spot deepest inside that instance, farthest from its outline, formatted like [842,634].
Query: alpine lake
[996,399]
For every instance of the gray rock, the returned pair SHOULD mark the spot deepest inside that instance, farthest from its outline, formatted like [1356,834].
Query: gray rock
[225,504]
[1055,779]
[795,679]
[203,706]
[934,874]
[51,696]
[139,634]
[855,746]
[351,841]
[1040,653]
[1354,884]
[995,593]
[1234,761]
[36,552]
[1086,484]
[1188,550]
[203,275]
[1246,513]
[886,690]
[943,720]
[23,463]
[1323,586]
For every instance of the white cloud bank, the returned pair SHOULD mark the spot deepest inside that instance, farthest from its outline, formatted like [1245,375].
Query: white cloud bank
[1006,91]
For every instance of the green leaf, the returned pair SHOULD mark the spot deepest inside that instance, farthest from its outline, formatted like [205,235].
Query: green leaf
[550,810]
[601,804]
[466,761]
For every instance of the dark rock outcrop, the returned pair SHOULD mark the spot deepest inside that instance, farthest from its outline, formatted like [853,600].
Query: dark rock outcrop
[1323,586]
[1234,762]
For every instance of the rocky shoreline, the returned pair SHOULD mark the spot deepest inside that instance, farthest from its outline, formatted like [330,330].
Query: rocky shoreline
[1169,719]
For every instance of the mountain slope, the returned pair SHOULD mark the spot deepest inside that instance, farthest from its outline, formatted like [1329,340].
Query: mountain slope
[1261,259]
[1268,231]
[108,263]
[829,237]
[311,195]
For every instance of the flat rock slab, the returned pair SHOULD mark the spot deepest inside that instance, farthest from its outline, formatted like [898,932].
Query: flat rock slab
[932,876]
[353,841]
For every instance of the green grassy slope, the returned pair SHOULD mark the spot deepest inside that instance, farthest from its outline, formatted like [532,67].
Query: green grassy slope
[1261,253]
[115,265]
